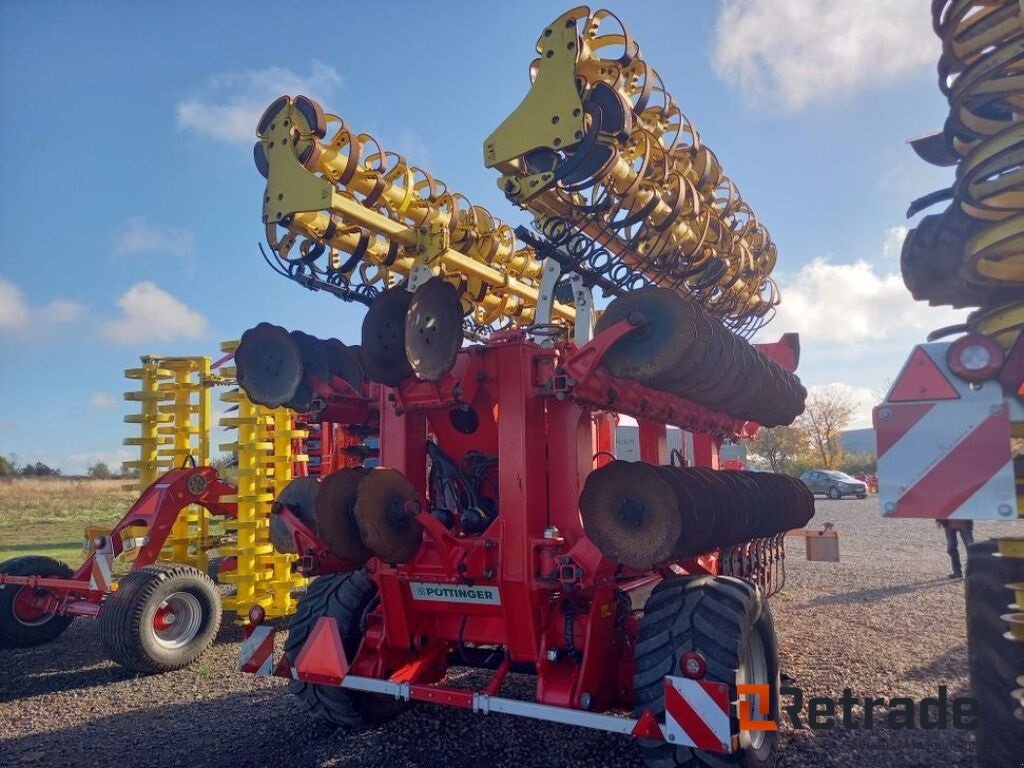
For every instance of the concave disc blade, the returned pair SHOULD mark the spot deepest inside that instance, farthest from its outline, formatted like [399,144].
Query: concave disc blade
[383,337]
[343,361]
[300,496]
[335,514]
[692,534]
[433,329]
[268,365]
[387,527]
[660,344]
[630,513]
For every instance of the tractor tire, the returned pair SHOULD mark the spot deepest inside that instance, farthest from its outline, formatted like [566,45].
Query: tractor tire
[727,621]
[994,661]
[345,597]
[834,493]
[160,618]
[18,631]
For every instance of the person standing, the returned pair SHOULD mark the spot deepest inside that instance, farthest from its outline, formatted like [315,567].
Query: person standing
[950,528]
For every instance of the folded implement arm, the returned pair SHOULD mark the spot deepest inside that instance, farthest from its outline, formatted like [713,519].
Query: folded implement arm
[378,219]
[599,148]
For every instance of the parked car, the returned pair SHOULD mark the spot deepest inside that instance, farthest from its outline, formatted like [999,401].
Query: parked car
[834,484]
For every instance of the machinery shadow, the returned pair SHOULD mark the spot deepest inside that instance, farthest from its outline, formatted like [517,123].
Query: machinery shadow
[880,593]
[74,661]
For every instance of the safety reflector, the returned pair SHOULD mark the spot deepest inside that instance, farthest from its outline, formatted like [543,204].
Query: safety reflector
[284,668]
[921,379]
[322,658]
[891,424]
[647,727]
[257,656]
[697,714]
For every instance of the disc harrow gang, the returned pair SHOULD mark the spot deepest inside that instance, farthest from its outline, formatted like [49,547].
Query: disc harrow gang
[277,368]
[620,180]
[356,512]
[972,254]
[677,348]
[641,515]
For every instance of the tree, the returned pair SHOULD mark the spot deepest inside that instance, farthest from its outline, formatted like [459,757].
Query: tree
[7,468]
[99,471]
[780,446]
[39,470]
[828,412]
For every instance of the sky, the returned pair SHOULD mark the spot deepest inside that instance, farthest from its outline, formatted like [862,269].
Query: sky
[132,206]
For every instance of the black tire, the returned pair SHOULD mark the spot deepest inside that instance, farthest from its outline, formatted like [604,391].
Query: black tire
[861,496]
[17,632]
[128,623]
[345,597]
[993,660]
[721,617]
[834,494]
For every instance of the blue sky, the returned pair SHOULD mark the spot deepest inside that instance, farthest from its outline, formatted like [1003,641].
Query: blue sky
[132,206]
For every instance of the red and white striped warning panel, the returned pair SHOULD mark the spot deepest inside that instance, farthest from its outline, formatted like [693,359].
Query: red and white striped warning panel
[257,657]
[943,445]
[697,714]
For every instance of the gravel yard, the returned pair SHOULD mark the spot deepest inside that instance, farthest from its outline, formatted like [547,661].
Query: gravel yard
[884,622]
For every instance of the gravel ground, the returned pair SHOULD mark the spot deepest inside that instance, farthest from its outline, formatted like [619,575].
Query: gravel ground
[884,622]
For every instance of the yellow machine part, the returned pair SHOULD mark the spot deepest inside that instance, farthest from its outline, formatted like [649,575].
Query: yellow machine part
[264,449]
[174,427]
[349,195]
[600,144]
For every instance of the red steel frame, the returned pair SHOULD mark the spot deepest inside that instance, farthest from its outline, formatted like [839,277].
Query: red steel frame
[157,508]
[548,413]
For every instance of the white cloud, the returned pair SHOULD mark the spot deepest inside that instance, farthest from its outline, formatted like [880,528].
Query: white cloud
[854,306]
[894,237]
[863,399]
[79,463]
[137,236]
[857,324]
[149,313]
[13,311]
[101,400]
[33,322]
[797,52]
[230,105]
[61,311]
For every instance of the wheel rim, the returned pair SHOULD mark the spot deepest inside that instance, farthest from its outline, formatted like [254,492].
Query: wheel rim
[177,620]
[25,613]
[756,673]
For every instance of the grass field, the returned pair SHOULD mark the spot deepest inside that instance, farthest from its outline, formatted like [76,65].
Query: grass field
[49,516]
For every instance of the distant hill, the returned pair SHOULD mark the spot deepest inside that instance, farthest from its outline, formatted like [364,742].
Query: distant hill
[858,441]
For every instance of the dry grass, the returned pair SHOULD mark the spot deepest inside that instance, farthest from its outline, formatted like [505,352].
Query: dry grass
[48,516]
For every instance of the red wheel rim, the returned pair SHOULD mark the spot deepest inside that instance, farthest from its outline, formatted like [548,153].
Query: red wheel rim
[24,608]
[164,618]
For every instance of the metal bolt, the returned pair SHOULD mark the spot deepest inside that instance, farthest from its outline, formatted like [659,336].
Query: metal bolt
[670,737]
[489,573]
[890,506]
[551,532]
[995,409]
[1005,510]
[885,414]
[552,654]
[586,701]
